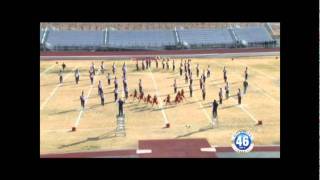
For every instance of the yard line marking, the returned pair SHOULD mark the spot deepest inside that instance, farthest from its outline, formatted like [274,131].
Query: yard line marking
[86,101]
[242,108]
[160,103]
[45,71]
[258,88]
[258,71]
[205,112]
[246,111]
[54,91]
[143,151]
[211,149]
[266,94]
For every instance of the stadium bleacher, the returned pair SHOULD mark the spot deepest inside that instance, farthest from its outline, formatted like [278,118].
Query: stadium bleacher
[206,37]
[108,39]
[144,38]
[77,39]
[253,34]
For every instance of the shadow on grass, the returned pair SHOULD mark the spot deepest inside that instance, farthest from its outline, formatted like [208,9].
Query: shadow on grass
[206,128]
[230,106]
[107,135]
[63,112]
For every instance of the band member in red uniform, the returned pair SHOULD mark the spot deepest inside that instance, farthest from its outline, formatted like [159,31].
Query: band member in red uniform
[155,100]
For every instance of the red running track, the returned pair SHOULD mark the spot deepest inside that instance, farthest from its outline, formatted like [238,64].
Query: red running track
[161,52]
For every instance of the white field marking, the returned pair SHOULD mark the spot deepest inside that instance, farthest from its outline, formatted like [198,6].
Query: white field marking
[86,101]
[246,111]
[143,151]
[54,91]
[45,71]
[205,112]
[258,71]
[242,108]
[211,149]
[160,102]
[266,94]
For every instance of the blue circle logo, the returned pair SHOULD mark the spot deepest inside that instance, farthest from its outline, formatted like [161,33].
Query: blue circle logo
[242,141]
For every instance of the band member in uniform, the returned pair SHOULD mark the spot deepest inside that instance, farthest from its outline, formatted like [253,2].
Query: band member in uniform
[175,86]
[201,83]
[190,90]
[124,69]
[181,70]
[226,88]
[155,100]
[220,96]
[92,68]
[225,74]
[63,66]
[246,73]
[120,103]
[100,91]
[167,63]
[109,79]
[191,79]
[140,86]
[102,67]
[60,76]
[245,86]
[91,75]
[157,63]
[186,77]
[125,83]
[239,96]
[137,66]
[142,64]
[182,94]
[177,99]
[203,76]
[185,66]
[167,100]
[77,75]
[148,99]
[189,68]
[115,82]
[162,63]
[214,110]
[82,99]
[198,70]
[135,94]
[203,92]
[141,96]
[173,65]
[116,94]
[126,92]
[102,98]
[114,68]
[208,71]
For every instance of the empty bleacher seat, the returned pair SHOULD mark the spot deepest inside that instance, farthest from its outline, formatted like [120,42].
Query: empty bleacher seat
[75,38]
[253,34]
[205,36]
[145,38]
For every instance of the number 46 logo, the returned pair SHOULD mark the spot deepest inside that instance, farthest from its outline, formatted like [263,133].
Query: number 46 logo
[242,141]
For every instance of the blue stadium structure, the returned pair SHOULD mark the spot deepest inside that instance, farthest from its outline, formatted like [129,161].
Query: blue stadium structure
[53,40]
